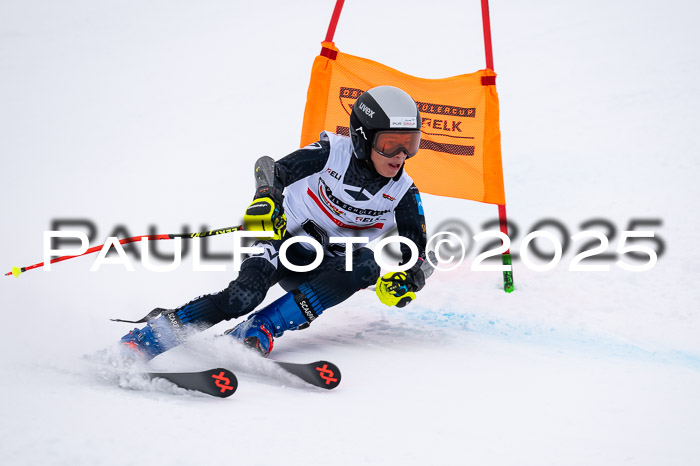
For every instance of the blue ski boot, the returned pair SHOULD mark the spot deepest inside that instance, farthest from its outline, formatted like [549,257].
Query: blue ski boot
[155,338]
[292,311]
[170,328]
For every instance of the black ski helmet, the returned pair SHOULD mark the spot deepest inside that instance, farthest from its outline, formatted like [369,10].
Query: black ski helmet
[380,109]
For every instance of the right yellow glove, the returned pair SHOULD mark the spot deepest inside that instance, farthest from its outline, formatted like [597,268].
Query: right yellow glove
[393,289]
[264,214]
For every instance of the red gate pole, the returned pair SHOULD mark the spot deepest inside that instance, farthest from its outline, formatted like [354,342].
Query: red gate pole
[503,220]
[334,20]
[487,33]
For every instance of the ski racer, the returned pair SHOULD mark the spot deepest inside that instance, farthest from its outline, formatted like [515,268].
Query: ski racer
[337,187]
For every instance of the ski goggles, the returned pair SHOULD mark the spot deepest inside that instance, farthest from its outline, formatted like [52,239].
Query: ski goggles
[390,143]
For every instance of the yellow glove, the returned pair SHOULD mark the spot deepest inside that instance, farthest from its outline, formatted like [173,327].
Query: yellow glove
[263,214]
[394,289]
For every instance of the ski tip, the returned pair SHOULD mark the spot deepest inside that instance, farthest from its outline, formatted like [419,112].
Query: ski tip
[223,382]
[16,271]
[218,382]
[327,373]
[323,374]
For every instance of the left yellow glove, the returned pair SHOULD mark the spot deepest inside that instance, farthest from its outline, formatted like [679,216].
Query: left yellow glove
[393,289]
[264,214]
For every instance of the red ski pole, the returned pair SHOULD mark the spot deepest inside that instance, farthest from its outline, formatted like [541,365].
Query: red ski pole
[17,271]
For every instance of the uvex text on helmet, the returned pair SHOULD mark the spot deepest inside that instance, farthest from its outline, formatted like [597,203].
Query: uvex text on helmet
[379,109]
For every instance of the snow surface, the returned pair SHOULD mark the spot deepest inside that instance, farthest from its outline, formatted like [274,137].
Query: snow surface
[152,113]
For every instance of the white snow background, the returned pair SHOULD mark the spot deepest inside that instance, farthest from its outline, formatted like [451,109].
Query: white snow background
[152,114]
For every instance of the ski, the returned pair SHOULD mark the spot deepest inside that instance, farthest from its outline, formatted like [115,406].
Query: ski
[218,382]
[322,374]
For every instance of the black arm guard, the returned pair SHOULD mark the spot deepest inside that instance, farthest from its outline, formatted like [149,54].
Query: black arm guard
[266,184]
